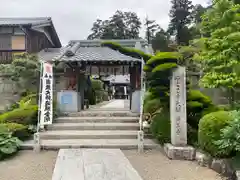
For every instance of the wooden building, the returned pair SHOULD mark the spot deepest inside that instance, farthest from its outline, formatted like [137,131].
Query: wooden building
[87,57]
[26,35]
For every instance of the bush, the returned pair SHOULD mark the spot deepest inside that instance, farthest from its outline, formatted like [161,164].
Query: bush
[91,96]
[161,128]
[209,132]
[151,106]
[198,105]
[230,134]
[9,145]
[18,130]
[26,116]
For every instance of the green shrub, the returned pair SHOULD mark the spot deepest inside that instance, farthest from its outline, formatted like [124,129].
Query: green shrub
[9,145]
[209,132]
[31,97]
[198,105]
[18,130]
[161,128]
[230,135]
[26,116]
[151,106]
[91,96]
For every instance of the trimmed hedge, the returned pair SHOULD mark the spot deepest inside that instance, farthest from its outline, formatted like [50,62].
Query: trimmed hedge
[24,116]
[209,132]
[198,105]
[132,52]
[161,127]
[18,130]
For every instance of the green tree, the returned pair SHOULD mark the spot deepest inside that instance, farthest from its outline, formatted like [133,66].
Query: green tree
[24,71]
[151,28]
[180,15]
[160,41]
[122,25]
[221,53]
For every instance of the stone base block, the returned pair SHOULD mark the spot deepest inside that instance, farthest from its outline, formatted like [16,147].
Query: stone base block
[180,153]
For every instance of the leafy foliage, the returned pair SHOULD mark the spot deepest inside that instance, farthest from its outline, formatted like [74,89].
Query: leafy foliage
[127,51]
[24,71]
[122,25]
[18,130]
[161,127]
[8,144]
[209,132]
[220,54]
[159,69]
[230,135]
[198,105]
[27,115]
[180,18]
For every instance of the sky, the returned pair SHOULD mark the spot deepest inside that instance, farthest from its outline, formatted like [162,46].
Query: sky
[73,19]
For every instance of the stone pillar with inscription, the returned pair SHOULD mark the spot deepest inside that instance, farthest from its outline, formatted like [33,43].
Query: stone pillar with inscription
[178,149]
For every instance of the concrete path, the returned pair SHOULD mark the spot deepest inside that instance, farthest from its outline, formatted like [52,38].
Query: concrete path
[114,104]
[93,164]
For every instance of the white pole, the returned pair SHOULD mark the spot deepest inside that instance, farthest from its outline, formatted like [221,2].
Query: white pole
[140,132]
[142,95]
[37,144]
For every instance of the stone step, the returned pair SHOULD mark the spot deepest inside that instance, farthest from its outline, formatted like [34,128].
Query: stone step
[91,143]
[101,113]
[93,126]
[97,119]
[91,135]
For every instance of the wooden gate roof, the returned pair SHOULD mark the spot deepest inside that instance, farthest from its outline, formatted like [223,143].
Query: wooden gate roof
[90,51]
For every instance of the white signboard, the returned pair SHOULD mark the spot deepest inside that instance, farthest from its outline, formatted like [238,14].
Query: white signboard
[47,95]
[178,107]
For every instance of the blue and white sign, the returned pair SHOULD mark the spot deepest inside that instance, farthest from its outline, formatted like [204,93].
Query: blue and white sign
[67,98]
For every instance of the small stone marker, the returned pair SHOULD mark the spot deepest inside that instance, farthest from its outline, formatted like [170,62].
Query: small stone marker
[37,143]
[178,148]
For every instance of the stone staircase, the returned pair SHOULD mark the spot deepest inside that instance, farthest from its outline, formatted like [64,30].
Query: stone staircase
[95,128]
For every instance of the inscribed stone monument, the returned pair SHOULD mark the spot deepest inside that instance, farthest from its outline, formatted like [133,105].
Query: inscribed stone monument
[178,148]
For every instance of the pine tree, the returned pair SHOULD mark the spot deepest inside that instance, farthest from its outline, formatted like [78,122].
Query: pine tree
[180,15]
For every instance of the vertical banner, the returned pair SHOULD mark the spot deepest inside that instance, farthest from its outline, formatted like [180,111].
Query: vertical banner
[46,115]
[178,112]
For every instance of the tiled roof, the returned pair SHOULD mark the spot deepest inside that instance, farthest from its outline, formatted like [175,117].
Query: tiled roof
[84,54]
[98,54]
[97,43]
[50,54]
[91,50]
[24,21]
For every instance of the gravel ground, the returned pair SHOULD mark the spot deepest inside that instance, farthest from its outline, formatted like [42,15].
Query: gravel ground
[27,165]
[152,165]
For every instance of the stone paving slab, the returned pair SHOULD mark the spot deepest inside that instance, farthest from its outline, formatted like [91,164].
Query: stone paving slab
[69,165]
[93,164]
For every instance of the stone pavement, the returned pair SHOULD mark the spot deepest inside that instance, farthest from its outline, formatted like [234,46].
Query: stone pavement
[151,165]
[93,164]
[118,104]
